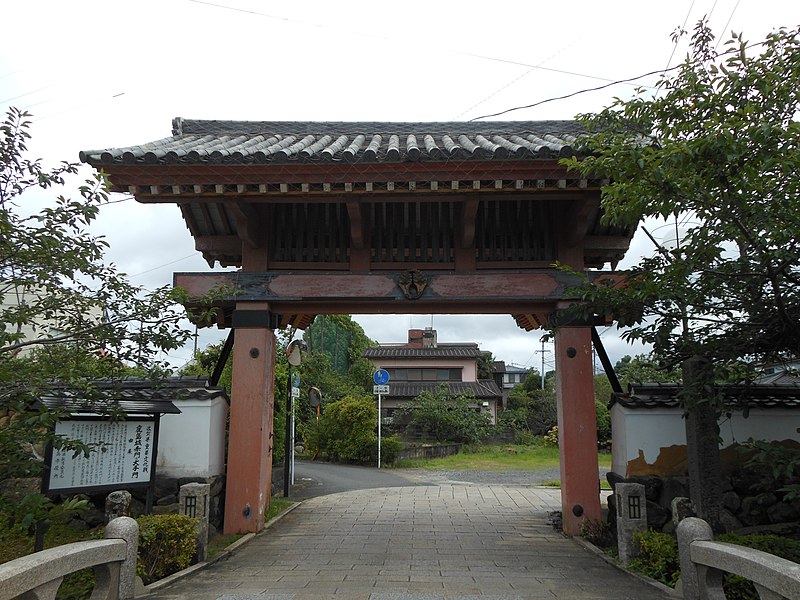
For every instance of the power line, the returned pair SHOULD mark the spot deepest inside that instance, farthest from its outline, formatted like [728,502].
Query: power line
[577,93]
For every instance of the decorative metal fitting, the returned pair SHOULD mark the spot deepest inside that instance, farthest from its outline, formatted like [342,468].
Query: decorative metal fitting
[413,283]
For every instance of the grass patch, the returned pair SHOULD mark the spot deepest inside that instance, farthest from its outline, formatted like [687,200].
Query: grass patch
[497,458]
[219,542]
[14,545]
[555,483]
[276,507]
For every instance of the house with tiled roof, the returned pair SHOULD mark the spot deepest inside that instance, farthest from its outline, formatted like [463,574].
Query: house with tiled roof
[423,364]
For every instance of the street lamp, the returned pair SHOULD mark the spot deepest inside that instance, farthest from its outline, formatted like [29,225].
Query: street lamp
[294,354]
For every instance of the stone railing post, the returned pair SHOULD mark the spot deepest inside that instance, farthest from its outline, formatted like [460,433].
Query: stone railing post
[193,502]
[126,528]
[691,529]
[118,504]
[631,517]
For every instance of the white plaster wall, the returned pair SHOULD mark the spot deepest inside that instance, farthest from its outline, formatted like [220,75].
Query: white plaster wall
[649,430]
[192,444]
[469,368]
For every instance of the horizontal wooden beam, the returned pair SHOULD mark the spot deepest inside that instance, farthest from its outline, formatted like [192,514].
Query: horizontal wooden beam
[327,292]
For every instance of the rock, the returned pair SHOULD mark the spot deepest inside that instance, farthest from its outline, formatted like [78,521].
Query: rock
[746,483]
[729,521]
[171,499]
[681,508]
[731,501]
[166,509]
[673,487]
[669,528]
[782,512]
[217,485]
[656,515]
[93,517]
[614,478]
[79,524]
[754,509]
[166,486]
[652,486]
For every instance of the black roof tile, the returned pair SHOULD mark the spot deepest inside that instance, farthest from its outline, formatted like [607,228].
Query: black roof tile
[131,395]
[441,351]
[252,142]
[667,395]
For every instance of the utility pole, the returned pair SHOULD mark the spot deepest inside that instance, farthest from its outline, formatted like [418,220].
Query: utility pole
[543,352]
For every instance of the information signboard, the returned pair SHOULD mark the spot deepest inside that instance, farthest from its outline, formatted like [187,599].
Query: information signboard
[125,458]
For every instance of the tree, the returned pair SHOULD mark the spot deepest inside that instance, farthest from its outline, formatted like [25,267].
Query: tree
[66,316]
[716,148]
[445,418]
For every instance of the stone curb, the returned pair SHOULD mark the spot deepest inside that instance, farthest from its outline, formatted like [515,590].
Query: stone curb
[651,582]
[170,579]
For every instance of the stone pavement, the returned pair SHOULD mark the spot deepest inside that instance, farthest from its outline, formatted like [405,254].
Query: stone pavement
[414,543]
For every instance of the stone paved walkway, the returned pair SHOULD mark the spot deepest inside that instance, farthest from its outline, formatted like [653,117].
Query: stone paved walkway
[414,543]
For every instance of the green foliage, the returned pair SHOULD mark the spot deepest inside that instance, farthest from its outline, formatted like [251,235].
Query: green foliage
[656,556]
[65,314]
[780,463]
[167,544]
[603,425]
[445,418]
[644,369]
[348,429]
[716,146]
[531,409]
[390,449]
[550,439]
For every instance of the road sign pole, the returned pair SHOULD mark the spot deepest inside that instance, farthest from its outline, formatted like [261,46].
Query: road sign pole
[379,431]
[293,443]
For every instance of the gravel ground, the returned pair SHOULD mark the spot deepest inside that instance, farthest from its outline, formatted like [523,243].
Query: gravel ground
[536,477]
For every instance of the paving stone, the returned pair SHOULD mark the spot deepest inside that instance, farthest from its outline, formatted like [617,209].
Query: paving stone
[446,542]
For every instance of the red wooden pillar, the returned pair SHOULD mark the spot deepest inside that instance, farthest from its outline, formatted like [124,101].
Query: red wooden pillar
[249,471]
[577,427]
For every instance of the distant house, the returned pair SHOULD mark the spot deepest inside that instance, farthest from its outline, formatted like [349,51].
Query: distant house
[423,364]
[508,377]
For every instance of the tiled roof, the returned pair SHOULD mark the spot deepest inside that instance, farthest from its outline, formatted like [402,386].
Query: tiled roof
[441,351]
[483,389]
[132,395]
[254,142]
[666,395]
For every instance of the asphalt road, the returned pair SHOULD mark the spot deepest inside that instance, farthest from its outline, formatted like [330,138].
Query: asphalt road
[314,479]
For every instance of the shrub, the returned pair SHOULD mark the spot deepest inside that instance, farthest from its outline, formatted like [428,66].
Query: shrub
[603,425]
[347,429]
[657,556]
[550,439]
[446,418]
[390,449]
[167,544]
[597,532]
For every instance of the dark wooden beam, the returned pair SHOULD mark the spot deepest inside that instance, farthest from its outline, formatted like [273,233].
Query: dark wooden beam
[225,244]
[247,223]
[357,234]
[606,243]
[470,212]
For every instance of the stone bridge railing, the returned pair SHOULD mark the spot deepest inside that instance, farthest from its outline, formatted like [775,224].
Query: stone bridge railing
[113,560]
[705,562]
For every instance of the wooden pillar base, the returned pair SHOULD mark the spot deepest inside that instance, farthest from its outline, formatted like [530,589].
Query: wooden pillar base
[248,482]
[577,428]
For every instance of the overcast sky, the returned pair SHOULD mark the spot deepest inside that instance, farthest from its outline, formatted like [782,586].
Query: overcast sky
[98,74]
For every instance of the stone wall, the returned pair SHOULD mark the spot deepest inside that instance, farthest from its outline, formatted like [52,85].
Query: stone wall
[744,506]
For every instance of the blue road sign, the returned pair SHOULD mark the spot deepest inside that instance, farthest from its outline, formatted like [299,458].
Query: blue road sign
[381,377]
[295,379]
